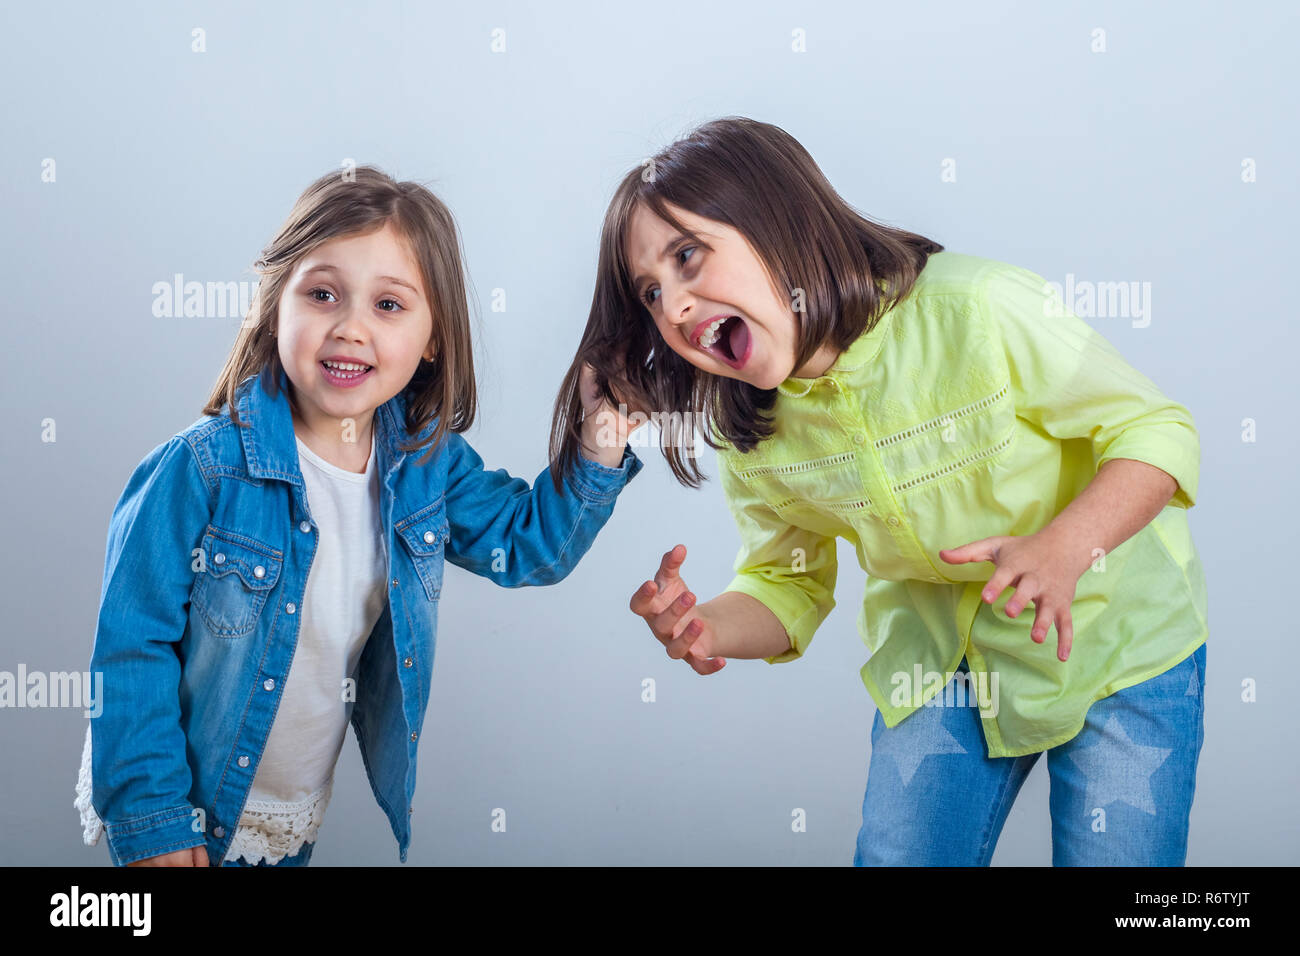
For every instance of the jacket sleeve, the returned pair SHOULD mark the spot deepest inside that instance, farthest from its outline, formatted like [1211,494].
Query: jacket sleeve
[1069,381]
[516,535]
[141,778]
[789,569]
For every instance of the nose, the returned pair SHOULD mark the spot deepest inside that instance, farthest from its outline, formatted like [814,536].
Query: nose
[677,304]
[351,324]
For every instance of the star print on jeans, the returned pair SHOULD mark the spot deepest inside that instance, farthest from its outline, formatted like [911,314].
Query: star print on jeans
[1119,769]
[908,746]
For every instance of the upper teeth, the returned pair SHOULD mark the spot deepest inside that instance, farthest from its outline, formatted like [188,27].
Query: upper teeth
[347,366]
[710,334]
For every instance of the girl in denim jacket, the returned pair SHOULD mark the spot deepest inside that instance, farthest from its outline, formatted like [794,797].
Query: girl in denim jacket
[273,571]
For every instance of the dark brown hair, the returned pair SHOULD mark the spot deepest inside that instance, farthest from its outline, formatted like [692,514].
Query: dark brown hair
[757,179]
[357,202]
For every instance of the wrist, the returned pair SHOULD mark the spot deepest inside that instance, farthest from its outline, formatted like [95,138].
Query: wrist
[1070,545]
[595,446]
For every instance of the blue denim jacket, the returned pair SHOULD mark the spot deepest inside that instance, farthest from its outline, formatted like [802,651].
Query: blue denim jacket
[208,552]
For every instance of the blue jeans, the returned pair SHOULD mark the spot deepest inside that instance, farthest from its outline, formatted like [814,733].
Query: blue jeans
[298,859]
[1121,789]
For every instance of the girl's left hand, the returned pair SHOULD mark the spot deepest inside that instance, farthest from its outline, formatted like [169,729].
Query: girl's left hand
[1039,568]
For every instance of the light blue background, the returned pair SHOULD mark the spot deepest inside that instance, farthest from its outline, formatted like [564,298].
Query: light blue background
[1115,166]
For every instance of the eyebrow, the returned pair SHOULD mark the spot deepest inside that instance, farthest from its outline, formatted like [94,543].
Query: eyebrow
[394,279]
[636,282]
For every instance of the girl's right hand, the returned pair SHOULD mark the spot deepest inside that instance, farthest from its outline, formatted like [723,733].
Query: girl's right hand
[668,607]
[190,856]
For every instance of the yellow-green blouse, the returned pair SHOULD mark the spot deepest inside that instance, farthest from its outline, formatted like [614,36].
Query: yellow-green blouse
[977,406]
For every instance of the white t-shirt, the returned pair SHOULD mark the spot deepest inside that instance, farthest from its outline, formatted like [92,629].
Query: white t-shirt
[344,597]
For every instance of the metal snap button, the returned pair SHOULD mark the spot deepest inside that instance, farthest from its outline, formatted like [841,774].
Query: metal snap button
[218,558]
[290,607]
[305,527]
[218,832]
[428,537]
[408,662]
[268,684]
[414,735]
[243,761]
[259,572]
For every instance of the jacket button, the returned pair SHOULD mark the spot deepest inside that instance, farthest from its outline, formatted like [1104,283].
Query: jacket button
[413,735]
[859,438]
[429,538]
[259,572]
[394,582]
[893,521]
[219,558]
[408,662]
[290,607]
[305,527]
[268,684]
[410,810]
[218,832]
[243,761]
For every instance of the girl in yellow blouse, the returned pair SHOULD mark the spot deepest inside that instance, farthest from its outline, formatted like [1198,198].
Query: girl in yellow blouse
[951,419]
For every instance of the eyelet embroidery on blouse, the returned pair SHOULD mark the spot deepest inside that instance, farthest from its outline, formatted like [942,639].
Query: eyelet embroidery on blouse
[92,828]
[746,473]
[850,507]
[269,830]
[943,419]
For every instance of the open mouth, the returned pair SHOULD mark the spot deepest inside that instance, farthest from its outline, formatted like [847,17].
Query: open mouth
[345,374]
[727,340]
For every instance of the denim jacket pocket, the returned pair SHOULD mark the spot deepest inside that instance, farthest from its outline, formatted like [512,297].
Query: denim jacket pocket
[424,534]
[239,572]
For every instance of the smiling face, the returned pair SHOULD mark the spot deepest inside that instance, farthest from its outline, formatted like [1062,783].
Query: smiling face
[716,307]
[352,301]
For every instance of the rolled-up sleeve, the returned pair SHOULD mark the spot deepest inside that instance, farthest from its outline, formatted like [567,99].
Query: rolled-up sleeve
[1071,382]
[788,569]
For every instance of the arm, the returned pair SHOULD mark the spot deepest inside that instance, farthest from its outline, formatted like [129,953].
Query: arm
[784,585]
[517,535]
[1122,498]
[743,627]
[141,779]
[1070,382]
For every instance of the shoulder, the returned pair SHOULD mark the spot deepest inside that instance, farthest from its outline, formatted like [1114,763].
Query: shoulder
[959,276]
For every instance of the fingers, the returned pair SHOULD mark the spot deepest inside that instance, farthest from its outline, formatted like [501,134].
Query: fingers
[669,565]
[1025,592]
[1065,635]
[1043,620]
[706,665]
[679,645]
[685,646]
[649,601]
[200,856]
[643,599]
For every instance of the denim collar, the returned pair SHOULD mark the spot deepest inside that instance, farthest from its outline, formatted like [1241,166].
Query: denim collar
[270,447]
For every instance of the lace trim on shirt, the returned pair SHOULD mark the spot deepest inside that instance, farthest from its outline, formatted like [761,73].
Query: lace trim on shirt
[270,830]
[92,828]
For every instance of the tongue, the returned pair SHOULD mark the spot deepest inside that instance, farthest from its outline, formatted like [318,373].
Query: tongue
[738,340]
